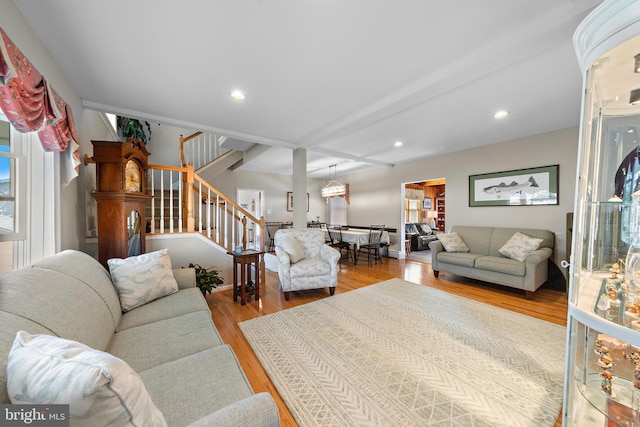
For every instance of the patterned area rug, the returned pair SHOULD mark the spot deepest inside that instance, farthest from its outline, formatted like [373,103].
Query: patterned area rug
[401,354]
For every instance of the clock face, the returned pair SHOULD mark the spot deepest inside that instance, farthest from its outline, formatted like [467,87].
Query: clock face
[132,177]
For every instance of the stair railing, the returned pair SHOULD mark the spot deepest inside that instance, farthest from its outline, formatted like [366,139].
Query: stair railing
[184,202]
[201,148]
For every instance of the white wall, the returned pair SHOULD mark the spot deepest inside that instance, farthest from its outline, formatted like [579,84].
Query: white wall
[375,194]
[275,188]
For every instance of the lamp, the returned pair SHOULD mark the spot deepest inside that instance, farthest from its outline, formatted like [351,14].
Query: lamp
[636,63]
[333,188]
[432,215]
[634,97]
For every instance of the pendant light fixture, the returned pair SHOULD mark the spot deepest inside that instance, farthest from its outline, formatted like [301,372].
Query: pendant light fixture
[333,188]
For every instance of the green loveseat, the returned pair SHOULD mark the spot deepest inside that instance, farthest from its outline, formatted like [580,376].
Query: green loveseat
[485,262]
[192,377]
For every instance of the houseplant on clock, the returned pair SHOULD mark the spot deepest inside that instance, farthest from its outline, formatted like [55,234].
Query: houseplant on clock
[206,278]
[133,128]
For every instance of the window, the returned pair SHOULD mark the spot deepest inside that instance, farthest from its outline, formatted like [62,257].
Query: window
[10,208]
[338,210]
[29,199]
[411,210]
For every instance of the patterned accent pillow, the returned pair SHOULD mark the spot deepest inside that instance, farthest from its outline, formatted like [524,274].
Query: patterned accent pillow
[293,248]
[452,242]
[143,278]
[519,246]
[100,389]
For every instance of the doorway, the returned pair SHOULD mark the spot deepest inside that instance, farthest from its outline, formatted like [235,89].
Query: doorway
[423,216]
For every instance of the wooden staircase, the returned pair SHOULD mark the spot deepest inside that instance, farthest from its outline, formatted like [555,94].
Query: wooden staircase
[184,202]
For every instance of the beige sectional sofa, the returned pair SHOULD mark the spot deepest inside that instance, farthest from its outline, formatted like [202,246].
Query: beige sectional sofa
[484,261]
[192,377]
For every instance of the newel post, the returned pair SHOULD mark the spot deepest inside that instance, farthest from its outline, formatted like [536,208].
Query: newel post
[191,221]
[244,232]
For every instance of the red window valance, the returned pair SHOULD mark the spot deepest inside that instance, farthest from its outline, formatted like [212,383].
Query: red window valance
[30,103]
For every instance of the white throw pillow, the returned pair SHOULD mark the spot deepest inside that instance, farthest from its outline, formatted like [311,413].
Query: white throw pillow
[143,278]
[292,247]
[452,242]
[519,246]
[99,388]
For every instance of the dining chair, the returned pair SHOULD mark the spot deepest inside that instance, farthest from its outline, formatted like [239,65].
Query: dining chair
[335,237]
[272,227]
[372,248]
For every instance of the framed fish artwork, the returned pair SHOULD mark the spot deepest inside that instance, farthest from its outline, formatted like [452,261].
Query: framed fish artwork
[521,187]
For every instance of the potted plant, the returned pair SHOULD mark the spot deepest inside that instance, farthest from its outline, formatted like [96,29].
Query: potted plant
[132,128]
[206,278]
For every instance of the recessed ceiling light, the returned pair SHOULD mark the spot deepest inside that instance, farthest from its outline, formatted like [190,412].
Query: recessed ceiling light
[501,114]
[397,144]
[237,95]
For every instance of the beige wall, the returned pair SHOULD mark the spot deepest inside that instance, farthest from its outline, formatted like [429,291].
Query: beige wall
[72,196]
[376,194]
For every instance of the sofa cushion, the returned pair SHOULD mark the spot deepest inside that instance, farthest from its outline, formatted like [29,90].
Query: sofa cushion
[64,305]
[519,246]
[478,239]
[182,302]
[424,229]
[143,278]
[215,374]
[501,265]
[90,272]
[153,344]
[458,258]
[452,242]
[411,229]
[99,388]
[293,248]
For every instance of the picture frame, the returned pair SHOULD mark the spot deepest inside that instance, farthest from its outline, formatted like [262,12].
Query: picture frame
[426,204]
[290,201]
[520,187]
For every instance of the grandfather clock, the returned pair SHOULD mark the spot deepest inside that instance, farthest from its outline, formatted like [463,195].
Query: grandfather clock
[121,194]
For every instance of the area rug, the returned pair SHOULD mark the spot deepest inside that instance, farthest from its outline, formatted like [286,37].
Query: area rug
[397,353]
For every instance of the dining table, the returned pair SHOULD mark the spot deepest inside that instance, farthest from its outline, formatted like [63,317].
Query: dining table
[357,237]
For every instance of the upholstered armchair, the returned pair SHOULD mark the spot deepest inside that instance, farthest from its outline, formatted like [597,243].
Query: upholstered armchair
[304,261]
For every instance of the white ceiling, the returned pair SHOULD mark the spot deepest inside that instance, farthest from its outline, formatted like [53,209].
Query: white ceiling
[343,79]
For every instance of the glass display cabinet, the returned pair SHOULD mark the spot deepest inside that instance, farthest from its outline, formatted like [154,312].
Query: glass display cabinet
[602,384]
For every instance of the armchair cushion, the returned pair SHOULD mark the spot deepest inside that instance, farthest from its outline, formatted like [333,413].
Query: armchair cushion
[424,229]
[411,229]
[293,248]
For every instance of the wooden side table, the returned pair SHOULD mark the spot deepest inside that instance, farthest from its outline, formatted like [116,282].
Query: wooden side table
[407,246]
[244,260]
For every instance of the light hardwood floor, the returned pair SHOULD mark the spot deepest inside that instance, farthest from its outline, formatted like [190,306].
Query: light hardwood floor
[546,304]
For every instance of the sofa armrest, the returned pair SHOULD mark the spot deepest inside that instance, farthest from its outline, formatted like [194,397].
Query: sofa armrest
[259,410]
[436,247]
[538,256]
[186,277]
